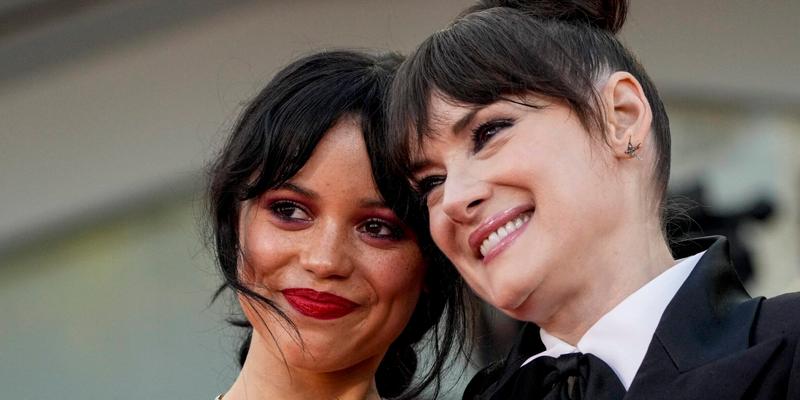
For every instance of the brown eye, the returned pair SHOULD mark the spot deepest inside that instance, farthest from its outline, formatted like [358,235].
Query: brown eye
[289,210]
[381,229]
[486,131]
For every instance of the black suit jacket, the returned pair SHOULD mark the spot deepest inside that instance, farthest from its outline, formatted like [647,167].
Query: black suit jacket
[713,341]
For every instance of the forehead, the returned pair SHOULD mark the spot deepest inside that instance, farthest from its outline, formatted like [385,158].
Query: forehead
[446,120]
[340,161]
[440,127]
[444,114]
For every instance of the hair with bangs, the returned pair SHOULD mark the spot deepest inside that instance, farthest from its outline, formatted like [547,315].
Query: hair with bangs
[500,48]
[274,138]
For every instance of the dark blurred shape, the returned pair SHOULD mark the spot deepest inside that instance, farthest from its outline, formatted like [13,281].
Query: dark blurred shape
[691,217]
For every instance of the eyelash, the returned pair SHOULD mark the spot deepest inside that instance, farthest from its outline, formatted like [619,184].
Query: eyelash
[278,209]
[481,135]
[486,131]
[283,205]
[425,185]
[395,232]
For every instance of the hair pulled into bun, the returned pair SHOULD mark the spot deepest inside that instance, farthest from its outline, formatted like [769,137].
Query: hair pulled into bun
[608,15]
[555,49]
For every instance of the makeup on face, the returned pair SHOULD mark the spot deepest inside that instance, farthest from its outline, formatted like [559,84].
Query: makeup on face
[325,249]
[319,305]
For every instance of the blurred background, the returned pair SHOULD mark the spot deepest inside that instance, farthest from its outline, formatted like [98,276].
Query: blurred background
[110,109]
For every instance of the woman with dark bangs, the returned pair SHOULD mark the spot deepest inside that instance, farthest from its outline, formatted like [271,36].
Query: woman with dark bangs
[326,253]
[542,151]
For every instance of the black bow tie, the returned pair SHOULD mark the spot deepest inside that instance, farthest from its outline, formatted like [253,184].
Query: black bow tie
[573,376]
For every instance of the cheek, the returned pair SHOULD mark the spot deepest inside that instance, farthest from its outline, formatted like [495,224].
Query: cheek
[441,231]
[263,251]
[248,308]
[264,263]
[397,277]
[443,234]
[258,314]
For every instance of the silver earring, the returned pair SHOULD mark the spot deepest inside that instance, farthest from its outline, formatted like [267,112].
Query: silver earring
[631,150]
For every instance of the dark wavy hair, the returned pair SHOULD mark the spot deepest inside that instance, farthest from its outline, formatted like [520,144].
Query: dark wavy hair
[497,48]
[275,136]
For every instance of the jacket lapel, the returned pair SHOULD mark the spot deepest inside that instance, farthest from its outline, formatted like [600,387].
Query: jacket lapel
[701,346]
[702,343]
[489,380]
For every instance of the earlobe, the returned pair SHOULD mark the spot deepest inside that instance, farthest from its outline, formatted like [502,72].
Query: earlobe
[628,115]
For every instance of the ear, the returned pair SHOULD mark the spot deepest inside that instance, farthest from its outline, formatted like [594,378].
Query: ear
[628,115]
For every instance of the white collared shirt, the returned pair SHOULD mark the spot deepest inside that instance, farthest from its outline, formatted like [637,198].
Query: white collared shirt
[622,336]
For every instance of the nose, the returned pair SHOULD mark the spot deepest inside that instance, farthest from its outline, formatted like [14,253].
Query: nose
[325,253]
[463,194]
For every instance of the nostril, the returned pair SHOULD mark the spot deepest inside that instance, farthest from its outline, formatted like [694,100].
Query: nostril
[474,203]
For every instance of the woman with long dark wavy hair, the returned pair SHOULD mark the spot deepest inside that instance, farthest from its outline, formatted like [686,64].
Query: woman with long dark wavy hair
[325,250]
[542,150]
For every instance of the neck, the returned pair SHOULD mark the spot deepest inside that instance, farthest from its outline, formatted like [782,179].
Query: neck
[266,375]
[622,263]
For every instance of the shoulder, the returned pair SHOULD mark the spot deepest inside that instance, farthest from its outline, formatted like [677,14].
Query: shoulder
[487,381]
[779,319]
[483,381]
[779,316]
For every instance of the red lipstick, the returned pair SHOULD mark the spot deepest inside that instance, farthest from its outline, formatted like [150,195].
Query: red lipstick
[319,305]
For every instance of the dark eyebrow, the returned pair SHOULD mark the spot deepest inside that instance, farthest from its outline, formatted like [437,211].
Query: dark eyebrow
[305,192]
[466,120]
[372,203]
[299,190]
[416,166]
[458,126]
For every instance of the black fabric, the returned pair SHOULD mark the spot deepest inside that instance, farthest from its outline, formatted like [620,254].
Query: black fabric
[490,379]
[713,341]
[573,376]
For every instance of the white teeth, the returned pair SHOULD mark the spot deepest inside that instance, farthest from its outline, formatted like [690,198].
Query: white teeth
[495,237]
[502,232]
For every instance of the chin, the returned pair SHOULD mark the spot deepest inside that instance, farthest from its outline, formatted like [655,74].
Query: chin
[318,359]
[325,352]
[518,308]
[525,311]
[507,294]
[513,293]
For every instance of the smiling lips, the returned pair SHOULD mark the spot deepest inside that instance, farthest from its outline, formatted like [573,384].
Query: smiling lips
[498,231]
[319,305]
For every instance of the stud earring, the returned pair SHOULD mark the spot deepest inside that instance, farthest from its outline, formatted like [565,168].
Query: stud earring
[631,150]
